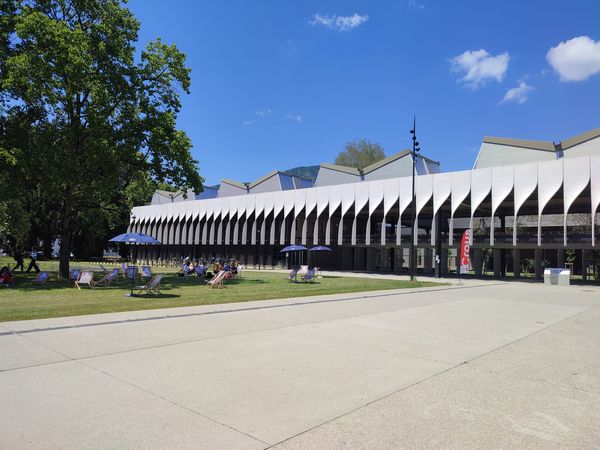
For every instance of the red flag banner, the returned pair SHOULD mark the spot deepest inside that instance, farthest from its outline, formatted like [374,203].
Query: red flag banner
[465,251]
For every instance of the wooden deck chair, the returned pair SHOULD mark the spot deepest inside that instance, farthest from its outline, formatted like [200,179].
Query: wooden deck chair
[74,275]
[292,275]
[85,277]
[310,276]
[41,278]
[185,270]
[200,271]
[153,285]
[124,270]
[108,278]
[217,280]
[145,272]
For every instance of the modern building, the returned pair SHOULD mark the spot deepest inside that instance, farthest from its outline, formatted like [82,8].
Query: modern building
[530,204]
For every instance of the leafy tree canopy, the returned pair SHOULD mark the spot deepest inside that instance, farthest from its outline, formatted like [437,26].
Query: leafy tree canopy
[87,125]
[360,154]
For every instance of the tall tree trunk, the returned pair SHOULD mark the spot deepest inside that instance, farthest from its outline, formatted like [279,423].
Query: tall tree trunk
[65,243]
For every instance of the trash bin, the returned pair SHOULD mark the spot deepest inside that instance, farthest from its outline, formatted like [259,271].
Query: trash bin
[551,275]
[564,277]
[557,276]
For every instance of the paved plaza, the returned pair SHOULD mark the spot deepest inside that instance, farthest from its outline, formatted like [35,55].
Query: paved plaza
[480,365]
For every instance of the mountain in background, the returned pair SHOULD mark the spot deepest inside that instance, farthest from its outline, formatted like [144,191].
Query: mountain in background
[309,172]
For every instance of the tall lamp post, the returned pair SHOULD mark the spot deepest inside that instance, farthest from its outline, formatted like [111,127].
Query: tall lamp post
[415,150]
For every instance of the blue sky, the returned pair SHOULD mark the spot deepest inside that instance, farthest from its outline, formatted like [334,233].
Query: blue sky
[278,84]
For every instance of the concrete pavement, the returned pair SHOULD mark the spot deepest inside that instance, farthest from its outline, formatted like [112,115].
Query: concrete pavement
[471,366]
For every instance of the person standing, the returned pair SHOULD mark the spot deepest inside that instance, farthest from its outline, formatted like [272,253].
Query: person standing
[33,264]
[18,257]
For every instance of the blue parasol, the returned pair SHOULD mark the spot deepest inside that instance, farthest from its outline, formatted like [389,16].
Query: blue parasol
[132,239]
[293,248]
[135,238]
[319,248]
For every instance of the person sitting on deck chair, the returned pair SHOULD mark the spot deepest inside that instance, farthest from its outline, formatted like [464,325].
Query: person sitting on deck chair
[5,276]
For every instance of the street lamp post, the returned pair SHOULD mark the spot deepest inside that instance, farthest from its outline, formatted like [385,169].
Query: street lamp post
[415,151]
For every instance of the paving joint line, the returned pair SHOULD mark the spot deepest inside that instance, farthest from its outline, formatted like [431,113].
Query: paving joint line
[172,402]
[442,372]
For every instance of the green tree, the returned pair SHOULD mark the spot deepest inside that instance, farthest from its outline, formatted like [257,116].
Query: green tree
[92,119]
[360,154]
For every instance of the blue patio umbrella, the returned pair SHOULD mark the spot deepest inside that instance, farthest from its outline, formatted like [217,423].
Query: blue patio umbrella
[133,239]
[293,248]
[319,248]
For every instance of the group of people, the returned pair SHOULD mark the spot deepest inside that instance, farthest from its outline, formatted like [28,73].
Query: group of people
[6,277]
[206,269]
[19,257]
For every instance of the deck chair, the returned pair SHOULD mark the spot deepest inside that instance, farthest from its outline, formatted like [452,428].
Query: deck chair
[145,272]
[124,270]
[41,278]
[185,269]
[85,277]
[292,275]
[200,271]
[108,278]
[74,274]
[217,280]
[303,270]
[153,285]
[310,276]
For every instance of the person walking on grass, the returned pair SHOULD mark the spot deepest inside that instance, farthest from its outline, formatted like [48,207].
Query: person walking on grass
[33,264]
[18,257]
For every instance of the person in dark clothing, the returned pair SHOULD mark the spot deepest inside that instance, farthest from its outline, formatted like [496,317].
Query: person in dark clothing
[18,257]
[33,264]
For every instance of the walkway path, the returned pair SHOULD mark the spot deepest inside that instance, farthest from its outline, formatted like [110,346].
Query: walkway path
[478,365]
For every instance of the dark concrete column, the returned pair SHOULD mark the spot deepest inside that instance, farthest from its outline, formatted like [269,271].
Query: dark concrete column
[477,255]
[497,262]
[584,254]
[444,262]
[560,259]
[398,259]
[427,260]
[517,263]
[371,255]
[539,256]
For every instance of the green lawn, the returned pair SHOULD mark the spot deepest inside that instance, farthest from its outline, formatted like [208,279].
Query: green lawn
[59,298]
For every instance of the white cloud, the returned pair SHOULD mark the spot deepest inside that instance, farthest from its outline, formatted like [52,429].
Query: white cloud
[518,94]
[576,59]
[339,23]
[414,4]
[478,67]
[259,113]
[262,112]
[294,118]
